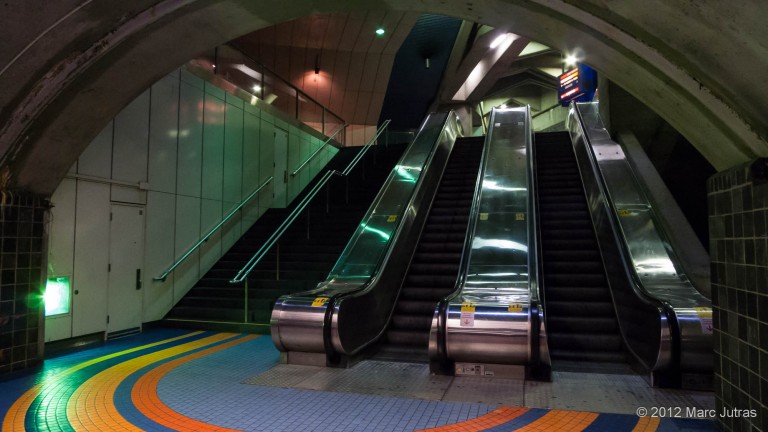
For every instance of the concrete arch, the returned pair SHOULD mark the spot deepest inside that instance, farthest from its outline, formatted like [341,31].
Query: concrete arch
[68,68]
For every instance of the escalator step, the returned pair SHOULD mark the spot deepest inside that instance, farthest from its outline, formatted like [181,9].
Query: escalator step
[431,280]
[581,324]
[411,322]
[436,257]
[423,307]
[568,293]
[574,279]
[592,356]
[585,342]
[579,307]
[419,268]
[408,337]
[573,267]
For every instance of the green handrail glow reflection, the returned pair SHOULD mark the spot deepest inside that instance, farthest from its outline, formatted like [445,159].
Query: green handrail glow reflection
[381,233]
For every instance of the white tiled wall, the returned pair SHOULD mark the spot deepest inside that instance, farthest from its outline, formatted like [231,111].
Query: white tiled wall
[201,151]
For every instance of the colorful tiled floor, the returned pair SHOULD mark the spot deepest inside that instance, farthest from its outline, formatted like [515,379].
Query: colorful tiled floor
[166,380]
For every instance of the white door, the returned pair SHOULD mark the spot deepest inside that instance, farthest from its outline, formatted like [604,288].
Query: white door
[126,259]
[281,170]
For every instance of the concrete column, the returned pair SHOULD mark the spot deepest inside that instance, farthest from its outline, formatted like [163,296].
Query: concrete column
[23,255]
[738,212]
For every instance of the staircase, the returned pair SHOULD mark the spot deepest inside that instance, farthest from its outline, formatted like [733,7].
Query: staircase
[580,318]
[434,268]
[307,250]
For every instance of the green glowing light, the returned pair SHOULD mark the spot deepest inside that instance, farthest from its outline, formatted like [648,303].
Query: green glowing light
[380,31]
[56,296]
[405,175]
[381,233]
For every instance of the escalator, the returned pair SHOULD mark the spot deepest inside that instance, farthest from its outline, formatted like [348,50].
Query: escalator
[580,317]
[434,268]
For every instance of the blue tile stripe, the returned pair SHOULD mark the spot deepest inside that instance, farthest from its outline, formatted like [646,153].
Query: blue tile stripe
[613,423]
[529,417]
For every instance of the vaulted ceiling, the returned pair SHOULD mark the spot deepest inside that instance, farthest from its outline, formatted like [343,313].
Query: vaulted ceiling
[354,62]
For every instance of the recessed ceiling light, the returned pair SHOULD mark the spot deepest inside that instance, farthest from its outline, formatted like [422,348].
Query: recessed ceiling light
[380,31]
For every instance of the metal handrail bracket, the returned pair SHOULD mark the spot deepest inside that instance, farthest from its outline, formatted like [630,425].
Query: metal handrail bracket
[254,261]
[205,238]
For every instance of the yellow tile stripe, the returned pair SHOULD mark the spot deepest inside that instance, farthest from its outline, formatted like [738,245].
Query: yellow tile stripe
[14,419]
[92,406]
[557,420]
[647,424]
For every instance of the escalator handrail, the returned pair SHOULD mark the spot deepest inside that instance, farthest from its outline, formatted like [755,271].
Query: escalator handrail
[663,359]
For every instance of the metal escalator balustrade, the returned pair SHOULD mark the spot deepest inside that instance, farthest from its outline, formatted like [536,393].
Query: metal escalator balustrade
[581,322]
[435,265]
[665,322]
[493,323]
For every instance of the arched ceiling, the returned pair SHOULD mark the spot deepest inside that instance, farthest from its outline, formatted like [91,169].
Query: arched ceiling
[69,66]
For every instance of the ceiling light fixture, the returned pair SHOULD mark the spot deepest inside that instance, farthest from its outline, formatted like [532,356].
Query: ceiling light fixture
[571,60]
[380,31]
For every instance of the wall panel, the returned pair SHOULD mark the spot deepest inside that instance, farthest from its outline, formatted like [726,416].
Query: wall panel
[89,306]
[130,145]
[210,251]
[213,147]
[96,160]
[159,254]
[251,145]
[187,234]
[190,142]
[233,155]
[163,134]
[61,260]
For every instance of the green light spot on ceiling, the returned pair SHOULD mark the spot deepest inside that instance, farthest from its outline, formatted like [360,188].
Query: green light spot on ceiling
[380,31]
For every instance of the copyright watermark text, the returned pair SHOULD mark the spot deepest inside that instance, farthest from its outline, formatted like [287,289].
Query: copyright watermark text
[693,412]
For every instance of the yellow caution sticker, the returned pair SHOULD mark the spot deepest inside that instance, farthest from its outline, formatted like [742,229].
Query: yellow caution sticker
[705,319]
[520,216]
[320,301]
[625,212]
[515,307]
[391,218]
[483,216]
[467,315]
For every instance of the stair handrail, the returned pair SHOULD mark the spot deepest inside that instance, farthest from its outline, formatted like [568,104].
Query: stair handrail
[262,251]
[319,149]
[205,238]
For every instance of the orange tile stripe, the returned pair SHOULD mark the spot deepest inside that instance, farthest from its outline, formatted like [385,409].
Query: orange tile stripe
[145,398]
[14,418]
[92,406]
[647,424]
[487,421]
